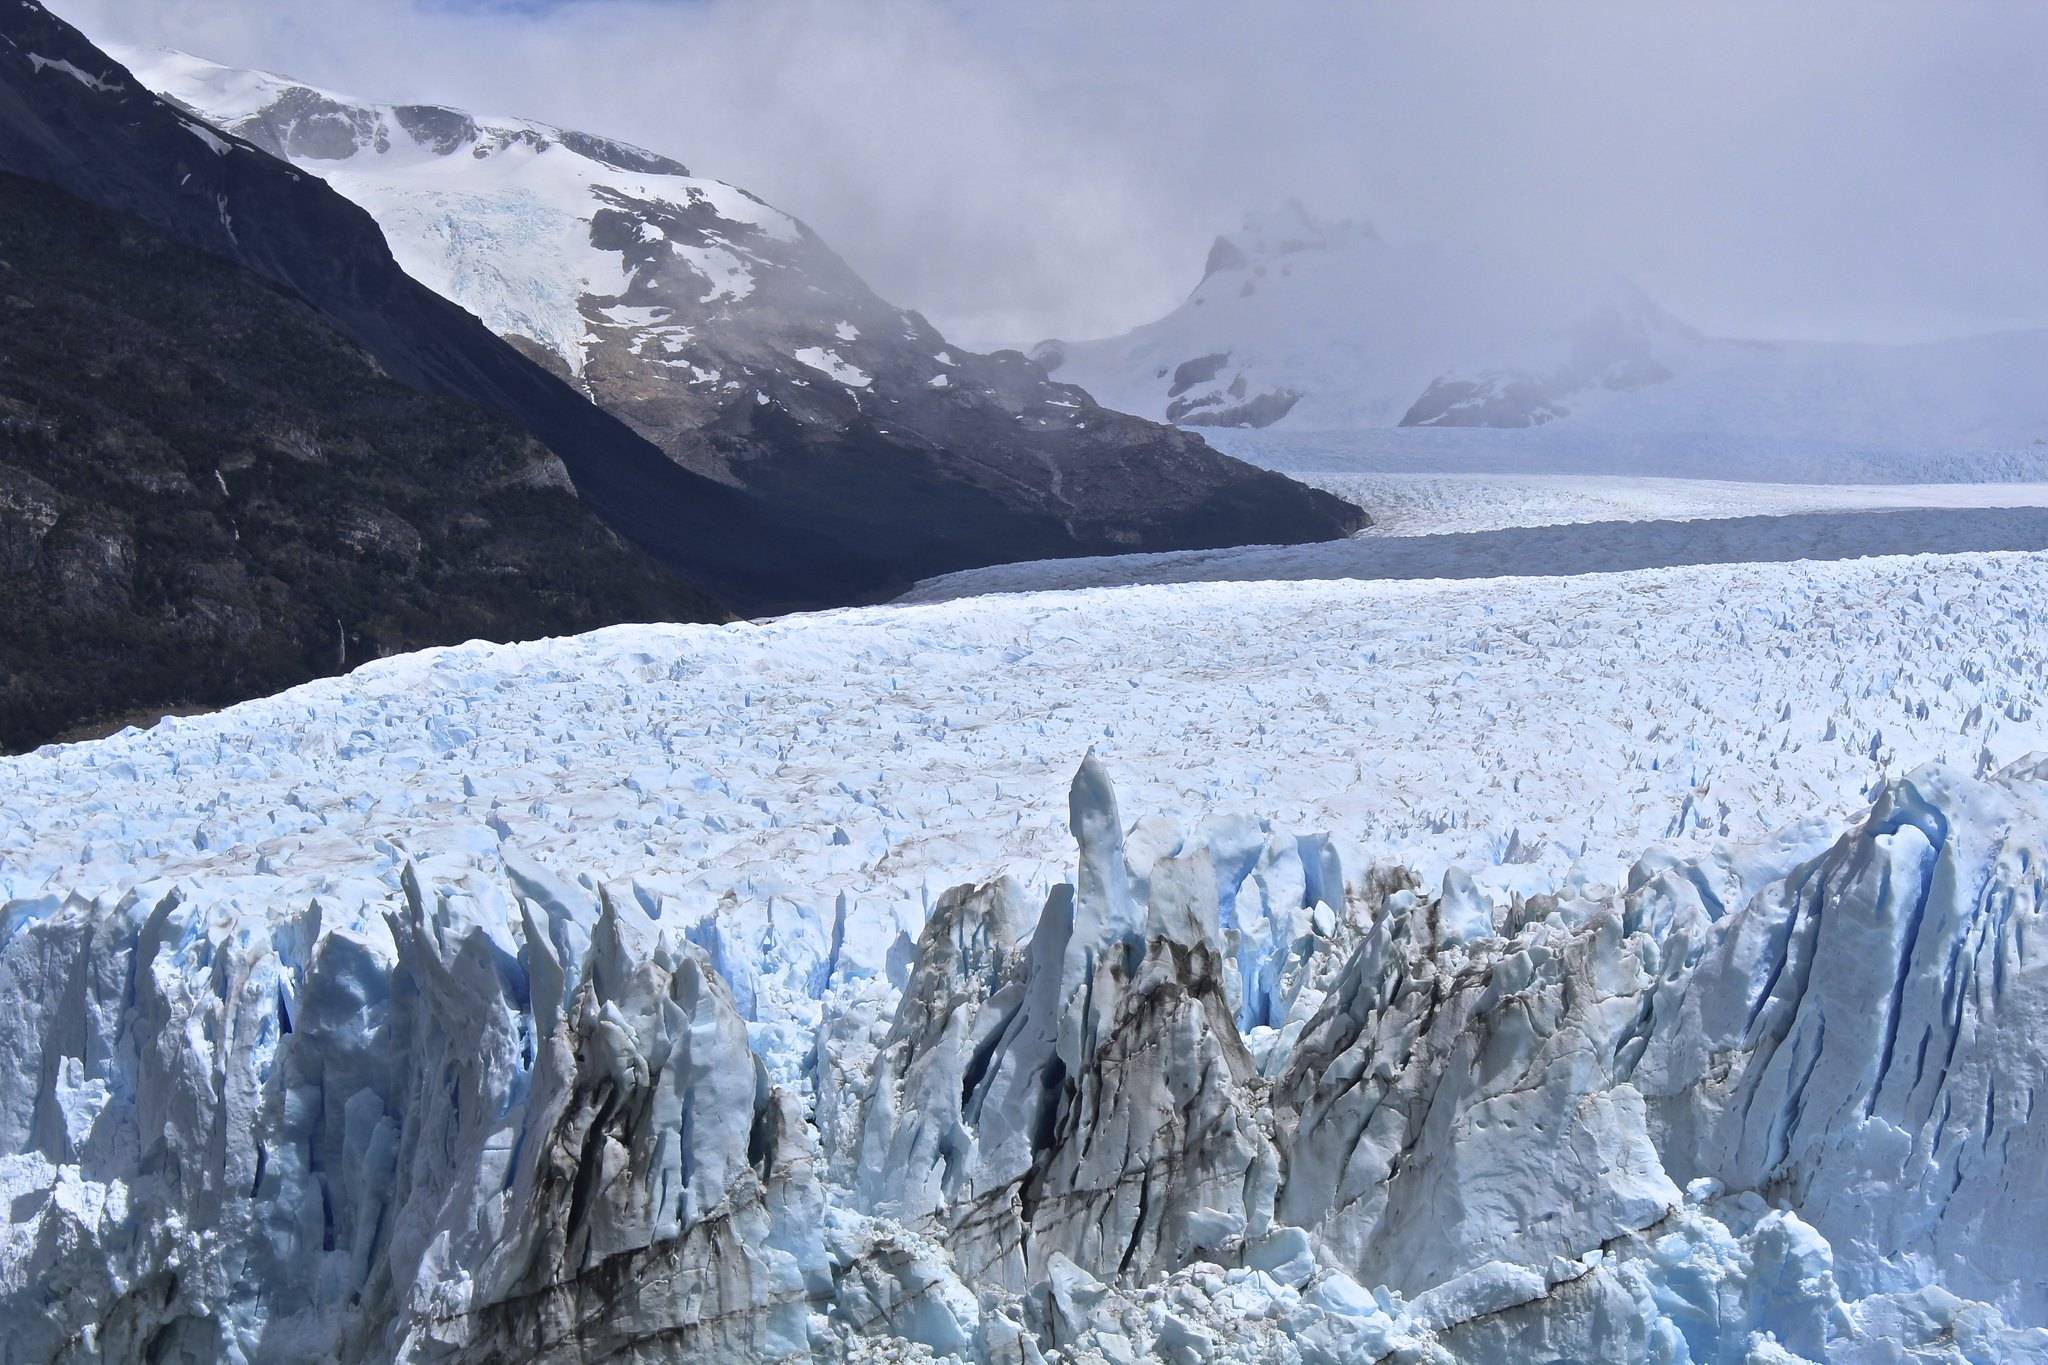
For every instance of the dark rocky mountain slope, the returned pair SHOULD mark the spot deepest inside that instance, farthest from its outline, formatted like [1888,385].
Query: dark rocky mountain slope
[207,493]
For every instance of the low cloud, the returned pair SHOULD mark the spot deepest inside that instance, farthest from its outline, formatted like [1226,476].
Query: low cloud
[1873,171]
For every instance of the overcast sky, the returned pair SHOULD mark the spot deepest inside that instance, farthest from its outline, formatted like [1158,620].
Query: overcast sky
[1869,171]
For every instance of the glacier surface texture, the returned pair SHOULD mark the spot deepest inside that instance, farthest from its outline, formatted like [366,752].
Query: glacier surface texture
[433,1066]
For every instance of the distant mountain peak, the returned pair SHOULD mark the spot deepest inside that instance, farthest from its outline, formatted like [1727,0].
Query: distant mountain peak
[1283,231]
[296,120]
[1321,321]
[1323,324]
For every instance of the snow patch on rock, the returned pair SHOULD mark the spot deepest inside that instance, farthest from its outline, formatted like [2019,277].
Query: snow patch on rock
[830,362]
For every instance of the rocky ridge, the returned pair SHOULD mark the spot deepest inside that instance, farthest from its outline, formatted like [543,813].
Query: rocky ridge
[206,492]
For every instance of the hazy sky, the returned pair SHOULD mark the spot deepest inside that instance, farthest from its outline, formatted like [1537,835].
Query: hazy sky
[1866,171]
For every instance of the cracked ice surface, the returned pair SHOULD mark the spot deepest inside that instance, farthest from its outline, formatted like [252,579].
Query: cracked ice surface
[494,1095]
[1512,726]
[750,780]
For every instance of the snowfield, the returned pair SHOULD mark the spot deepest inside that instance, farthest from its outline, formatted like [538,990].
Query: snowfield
[376,1014]
[1438,504]
[496,214]
[1479,503]
[1544,451]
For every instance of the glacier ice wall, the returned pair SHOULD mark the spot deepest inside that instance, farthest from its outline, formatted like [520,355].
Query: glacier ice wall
[451,1136]
[1211,1100]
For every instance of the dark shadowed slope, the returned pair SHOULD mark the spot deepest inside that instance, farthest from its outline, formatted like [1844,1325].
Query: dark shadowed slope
[207,493]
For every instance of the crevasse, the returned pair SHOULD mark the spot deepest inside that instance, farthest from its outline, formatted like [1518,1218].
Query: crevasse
[1209,1101]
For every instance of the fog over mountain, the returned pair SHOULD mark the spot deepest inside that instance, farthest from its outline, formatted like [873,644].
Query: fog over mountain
[1820,172]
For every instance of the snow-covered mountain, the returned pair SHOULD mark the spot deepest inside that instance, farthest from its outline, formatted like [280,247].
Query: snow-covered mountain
[1327,325]
[516,1003]
[726,332]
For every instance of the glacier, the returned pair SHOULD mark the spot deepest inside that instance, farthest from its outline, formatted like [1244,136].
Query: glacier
[640,996]
[1433,504]
[1595,1124]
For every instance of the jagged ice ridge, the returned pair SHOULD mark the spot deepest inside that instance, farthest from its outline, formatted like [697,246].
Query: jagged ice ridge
[1593,1125]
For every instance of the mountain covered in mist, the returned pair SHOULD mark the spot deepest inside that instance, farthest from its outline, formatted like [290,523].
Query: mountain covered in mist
[729,334]
[1327,323]
[1315,324]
